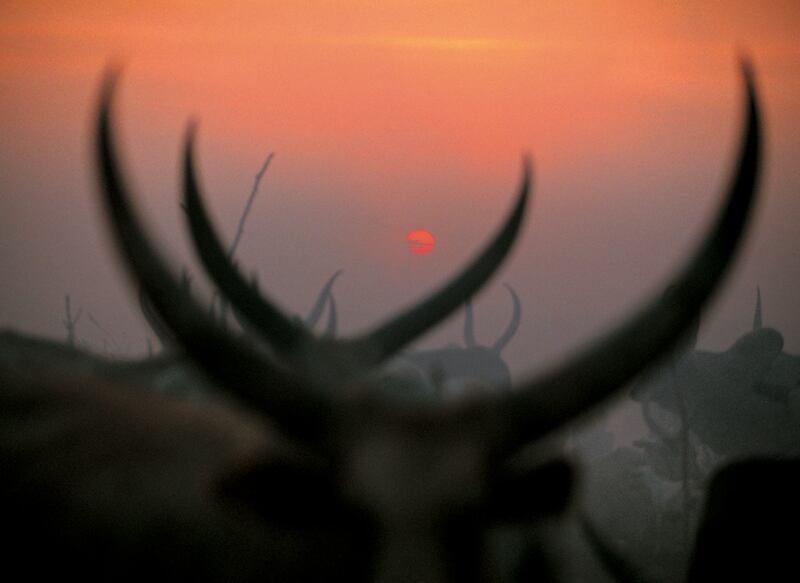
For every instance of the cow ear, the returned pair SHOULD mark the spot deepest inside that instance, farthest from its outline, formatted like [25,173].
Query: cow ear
[292,494]
[760,346]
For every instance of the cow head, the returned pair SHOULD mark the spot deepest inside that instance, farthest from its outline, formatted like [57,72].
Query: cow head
[484,362]
[428,478]
[455,371]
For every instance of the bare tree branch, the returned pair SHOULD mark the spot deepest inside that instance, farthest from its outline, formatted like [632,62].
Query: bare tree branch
[107,335]
[251,198]
[69,321]
[223,305]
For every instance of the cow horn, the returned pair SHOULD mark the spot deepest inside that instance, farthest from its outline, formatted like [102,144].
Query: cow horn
[316,311]
[391,336]
[300,410]
[374,347]
[513,325]
[545,403]
[332,325]
[280,330]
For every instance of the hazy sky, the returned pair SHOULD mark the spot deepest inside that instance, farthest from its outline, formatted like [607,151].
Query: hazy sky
[412,115]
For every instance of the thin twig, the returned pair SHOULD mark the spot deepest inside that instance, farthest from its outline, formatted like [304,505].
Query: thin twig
[106,333]
[253,192]
[223,304]
[69,321]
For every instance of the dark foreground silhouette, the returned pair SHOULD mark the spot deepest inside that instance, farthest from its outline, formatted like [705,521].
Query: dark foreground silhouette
[308,471]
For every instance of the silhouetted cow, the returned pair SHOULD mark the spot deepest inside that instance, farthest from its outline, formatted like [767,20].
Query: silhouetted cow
[453,371]
[740,402]
[457,370]
[312,474]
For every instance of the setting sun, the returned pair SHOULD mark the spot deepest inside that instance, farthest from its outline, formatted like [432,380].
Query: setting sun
[420,242]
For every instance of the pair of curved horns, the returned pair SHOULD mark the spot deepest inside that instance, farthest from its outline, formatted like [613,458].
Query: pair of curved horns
[503,340]
[507,420]
[373,348]
[244,370]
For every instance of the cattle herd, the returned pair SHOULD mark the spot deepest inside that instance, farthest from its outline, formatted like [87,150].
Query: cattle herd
[263,451]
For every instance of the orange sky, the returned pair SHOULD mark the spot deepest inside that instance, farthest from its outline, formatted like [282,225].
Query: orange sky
[410,115]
